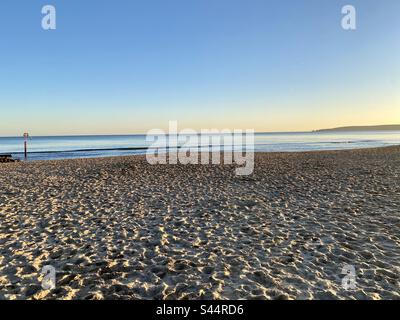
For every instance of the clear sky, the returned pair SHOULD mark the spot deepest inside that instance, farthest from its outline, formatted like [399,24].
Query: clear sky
[126,66]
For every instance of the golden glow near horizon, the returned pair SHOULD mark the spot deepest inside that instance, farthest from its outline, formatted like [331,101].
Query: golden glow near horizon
[259,118]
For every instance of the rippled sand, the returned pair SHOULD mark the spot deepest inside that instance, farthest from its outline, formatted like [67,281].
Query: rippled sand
[119,228]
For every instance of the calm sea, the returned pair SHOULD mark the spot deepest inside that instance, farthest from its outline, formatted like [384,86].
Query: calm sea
[65,147]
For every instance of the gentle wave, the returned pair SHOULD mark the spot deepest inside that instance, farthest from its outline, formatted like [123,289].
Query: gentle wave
[66,147]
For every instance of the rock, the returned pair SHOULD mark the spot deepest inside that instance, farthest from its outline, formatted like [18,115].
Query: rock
[7,158]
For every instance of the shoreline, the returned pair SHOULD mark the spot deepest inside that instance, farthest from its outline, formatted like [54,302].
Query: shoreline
[140,149]
[120,228]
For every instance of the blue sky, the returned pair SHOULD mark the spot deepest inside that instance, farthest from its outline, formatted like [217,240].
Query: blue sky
[129,66]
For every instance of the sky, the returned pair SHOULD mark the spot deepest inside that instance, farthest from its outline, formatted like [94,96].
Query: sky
[121,67]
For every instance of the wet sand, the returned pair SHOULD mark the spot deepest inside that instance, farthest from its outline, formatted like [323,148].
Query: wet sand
[119,228]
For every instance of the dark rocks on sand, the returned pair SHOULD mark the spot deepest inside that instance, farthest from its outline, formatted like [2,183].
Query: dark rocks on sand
[7,158]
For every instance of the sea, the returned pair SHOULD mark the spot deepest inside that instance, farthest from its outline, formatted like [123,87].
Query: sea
[90,146]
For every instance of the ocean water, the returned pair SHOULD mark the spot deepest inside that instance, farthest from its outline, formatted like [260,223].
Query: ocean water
[66,147]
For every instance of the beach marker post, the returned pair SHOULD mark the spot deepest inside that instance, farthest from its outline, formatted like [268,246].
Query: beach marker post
[26,136]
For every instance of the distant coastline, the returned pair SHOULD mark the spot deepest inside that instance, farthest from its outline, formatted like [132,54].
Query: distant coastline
[390,127]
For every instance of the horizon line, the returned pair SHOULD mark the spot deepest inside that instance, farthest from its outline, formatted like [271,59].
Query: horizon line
[143,134]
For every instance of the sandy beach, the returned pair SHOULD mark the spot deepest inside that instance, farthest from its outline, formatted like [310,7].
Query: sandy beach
[119,228]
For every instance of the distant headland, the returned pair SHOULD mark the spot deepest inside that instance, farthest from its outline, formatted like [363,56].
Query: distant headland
[390,127]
